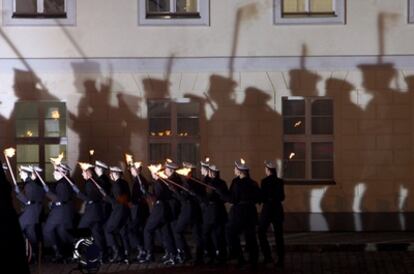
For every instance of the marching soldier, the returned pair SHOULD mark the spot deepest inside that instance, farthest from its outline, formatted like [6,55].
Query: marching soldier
[12,247]
[139,209]
[116,225]
[93,217]
[31,198]
[190,216]
[215,216]
[61,215]
[103,180]
[159,221]
[244,195]
[273,194]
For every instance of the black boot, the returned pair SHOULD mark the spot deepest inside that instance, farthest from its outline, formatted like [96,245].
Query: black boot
[58,258]
[170,259]
[115,255]
[147,257]
[126,257]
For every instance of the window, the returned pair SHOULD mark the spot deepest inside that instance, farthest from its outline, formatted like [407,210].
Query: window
[411,11]
[39,12]
[40,134]
[174,12]
[173,130]
[308,139]
[309,11]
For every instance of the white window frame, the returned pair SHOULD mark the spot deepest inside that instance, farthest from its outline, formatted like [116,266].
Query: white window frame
[338,18]
[308,138]
[9,8]
[411,11]
[203,9]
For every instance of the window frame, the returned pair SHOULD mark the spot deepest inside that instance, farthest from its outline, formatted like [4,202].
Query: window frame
[338,18]
[41,140]
[174,139]
[203,20]
[10,20]
[308,138]
[410,11]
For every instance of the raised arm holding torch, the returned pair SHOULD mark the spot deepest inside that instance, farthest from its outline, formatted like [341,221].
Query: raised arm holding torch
[9,153]
[86,166]
[186,171]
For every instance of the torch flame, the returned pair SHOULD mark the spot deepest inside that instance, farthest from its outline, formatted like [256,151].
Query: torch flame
[242,161]
[85,166]
[184,171]
[292,155]
[128,159]
[91,152]
[10,152]
[56,161]
[298,123]
[207,159]
[162,175]
[168,160]
[137,165]
[155,168]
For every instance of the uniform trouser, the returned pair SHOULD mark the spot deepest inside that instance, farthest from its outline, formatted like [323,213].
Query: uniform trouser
[136,233]
[184,221]
[264,224]
[97,232]
[157,222]
[57,234]
[112,233]
[214,239]
[33,233]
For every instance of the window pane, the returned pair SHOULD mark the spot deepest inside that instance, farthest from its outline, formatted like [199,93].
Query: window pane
[54,6]
[26,6]
[52,151]
[294,6]
[321,6]
[55,119]
[186,6]
[27,110]
[293,107]
[160,118]
[322,107]
[27,128]
[322,170]
[294,170]
[294,151]
[294,125]
[322,125]
[27,155]
[322,151]
[158,6]
[27,123]
[159,152]
[188,119]
[188,152]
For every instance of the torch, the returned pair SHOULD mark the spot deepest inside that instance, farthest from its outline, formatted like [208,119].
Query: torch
[185,171]
[56,162]
[86,166]
[91,153]
[9,153]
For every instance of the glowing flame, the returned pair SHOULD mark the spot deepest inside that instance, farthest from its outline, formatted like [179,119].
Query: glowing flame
[55,114]
[153,134]
[154,168]
[29,133]
[292,155]
[168,132]
[162,175]
[56,161]
[168,160]
[242,161]
[297,124]
[91,152]
[207,160]
[128,159]
[10,152]
[137,165]
[85,166]
[184,171]
[161,133]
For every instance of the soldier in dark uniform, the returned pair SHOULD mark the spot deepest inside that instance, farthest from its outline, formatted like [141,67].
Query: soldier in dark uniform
[190,216]
[116,226]
[61,216]
[244,195]
[32,199]
[93,217]
[159,221]
[139,209]
[104,181]
[272,194]
[12,248]
[215,217]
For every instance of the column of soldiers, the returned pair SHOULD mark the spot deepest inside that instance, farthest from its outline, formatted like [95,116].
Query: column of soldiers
[122,220]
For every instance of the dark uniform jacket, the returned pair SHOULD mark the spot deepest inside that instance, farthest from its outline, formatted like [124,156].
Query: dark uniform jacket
[62,210]
[272,195]
[119,200]
[31,198]
[213,204]
[93,207]
[140,208]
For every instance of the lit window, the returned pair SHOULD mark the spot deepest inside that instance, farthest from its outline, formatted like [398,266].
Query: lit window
[39,12]
[173,130]
[40,133]
[308,139]
[174,12]
[309,11]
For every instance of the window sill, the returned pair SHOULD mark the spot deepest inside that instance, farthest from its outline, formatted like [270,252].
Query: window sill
[309,182]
